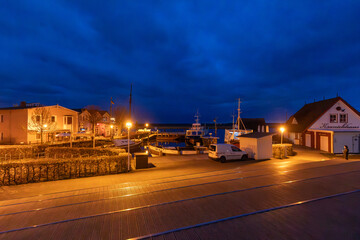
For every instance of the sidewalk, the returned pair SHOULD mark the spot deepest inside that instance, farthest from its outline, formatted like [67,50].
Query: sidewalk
[166,166]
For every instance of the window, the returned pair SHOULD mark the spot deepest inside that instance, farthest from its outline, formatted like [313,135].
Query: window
[343,118]
[333,118]
[53,119]
[2,137]
[2,118]
[296,135]
[235,149]
[38,136]
[68,120]
[37,119]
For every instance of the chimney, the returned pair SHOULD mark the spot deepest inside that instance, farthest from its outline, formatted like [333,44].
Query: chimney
[23,104]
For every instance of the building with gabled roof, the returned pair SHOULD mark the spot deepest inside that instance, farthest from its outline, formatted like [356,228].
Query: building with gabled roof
[326,125]
[104,125]
[27,123]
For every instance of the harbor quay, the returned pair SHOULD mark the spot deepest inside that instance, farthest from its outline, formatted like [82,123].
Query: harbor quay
[310,195]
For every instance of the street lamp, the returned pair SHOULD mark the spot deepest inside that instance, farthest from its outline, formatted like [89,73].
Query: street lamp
[146,132]
[111,131]
[128,125]
[282,129]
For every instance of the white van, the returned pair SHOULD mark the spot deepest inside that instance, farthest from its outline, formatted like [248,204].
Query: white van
[224,152]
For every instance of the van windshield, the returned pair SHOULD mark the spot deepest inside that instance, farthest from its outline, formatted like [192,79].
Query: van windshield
[212,148]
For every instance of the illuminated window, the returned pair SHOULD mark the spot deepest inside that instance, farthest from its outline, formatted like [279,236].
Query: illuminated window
[333,118]
[68,120]
[343,118]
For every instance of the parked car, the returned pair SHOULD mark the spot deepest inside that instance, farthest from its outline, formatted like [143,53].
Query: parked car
[224,152]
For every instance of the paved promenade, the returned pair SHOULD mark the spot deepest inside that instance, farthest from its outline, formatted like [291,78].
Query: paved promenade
[307,196]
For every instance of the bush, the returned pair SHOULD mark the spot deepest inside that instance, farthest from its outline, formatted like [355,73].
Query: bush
[65,152]
[20,151]
[86,143]
[278,150]
[39,170]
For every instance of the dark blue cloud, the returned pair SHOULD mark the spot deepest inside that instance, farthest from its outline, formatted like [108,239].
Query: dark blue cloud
[180,56]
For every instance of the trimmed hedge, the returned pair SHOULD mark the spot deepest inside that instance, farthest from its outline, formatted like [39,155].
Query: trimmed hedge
[86,143]
[20,151]
[65,152]
[39,170]
[279,150]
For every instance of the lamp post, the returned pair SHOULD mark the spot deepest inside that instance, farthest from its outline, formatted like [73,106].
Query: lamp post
[128,125]
[111,131]
[282,129]
[146,126]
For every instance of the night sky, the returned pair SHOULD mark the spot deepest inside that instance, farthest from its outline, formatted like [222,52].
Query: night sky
[180,56]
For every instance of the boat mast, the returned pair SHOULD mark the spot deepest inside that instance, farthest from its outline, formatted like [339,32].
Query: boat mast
[239,121]
[233,124]
[130,102]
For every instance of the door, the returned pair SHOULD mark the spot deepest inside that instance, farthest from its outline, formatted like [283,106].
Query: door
[324,143]
[355,144]
[308,140]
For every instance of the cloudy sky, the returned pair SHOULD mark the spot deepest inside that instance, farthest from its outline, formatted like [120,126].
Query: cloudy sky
[181,56]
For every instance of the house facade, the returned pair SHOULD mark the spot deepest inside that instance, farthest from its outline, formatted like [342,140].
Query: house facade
[104,125]
[326,125]
[33,123]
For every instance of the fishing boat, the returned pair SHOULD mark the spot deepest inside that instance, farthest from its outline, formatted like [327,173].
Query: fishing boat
[231,135]
[135,145]
[194,134]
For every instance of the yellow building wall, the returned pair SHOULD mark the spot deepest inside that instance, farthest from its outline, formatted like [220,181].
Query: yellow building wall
[14,126]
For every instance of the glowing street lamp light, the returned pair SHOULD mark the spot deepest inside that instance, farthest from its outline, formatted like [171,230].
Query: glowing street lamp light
[45,125]
[146,125]
[128,125]
[282,130]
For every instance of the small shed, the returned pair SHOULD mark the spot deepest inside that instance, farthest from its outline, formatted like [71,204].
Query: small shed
[258,145]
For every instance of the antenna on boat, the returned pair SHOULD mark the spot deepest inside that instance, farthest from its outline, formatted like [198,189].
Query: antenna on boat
[197,116]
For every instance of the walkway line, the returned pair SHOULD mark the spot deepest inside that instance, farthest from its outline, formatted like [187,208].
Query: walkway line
[144,193]
[246,214]
[172,202]
[129,195]
[79,189]
[116,189]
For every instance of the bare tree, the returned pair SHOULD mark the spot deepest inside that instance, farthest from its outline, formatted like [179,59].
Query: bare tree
[93,118]
[41,120]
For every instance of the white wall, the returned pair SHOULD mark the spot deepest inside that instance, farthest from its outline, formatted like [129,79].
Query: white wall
[264,148]
[323,123]
[351,139]
[249,145]
[257,148]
